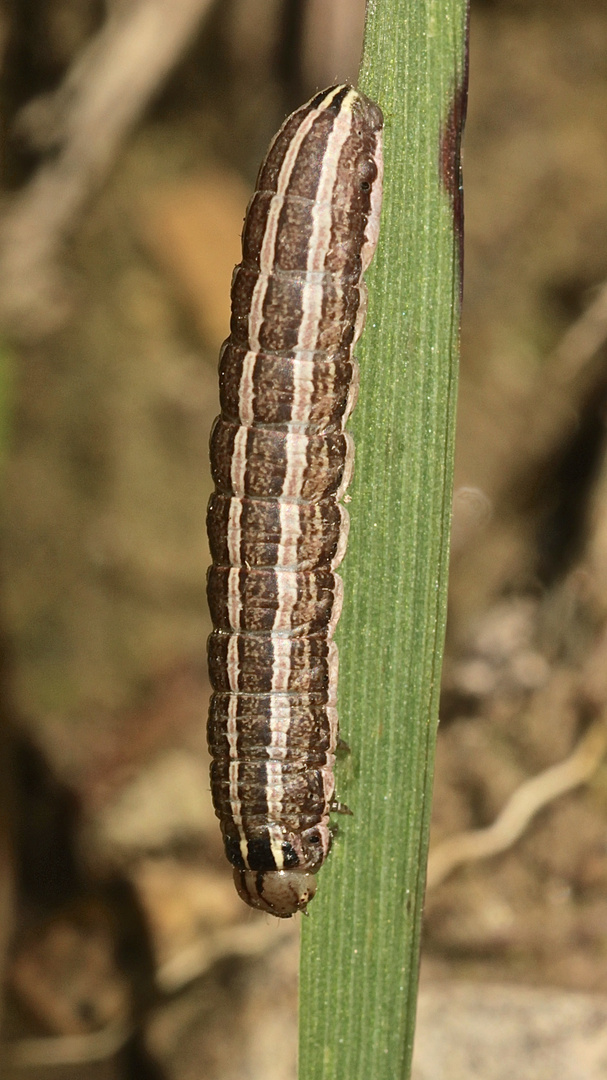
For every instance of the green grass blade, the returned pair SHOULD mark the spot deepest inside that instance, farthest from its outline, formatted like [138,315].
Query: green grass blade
[360,943]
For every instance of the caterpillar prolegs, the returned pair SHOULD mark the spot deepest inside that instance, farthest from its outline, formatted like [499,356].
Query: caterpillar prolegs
[281,462]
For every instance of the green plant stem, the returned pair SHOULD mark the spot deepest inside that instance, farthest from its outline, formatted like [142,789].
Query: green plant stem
[360,944]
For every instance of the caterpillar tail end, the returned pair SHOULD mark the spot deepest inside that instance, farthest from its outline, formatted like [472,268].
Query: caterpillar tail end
[279,892]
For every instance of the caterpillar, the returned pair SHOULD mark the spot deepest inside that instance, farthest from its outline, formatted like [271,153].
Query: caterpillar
[281,462]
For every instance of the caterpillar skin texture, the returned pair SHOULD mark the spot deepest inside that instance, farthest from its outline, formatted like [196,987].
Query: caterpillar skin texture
[281,462]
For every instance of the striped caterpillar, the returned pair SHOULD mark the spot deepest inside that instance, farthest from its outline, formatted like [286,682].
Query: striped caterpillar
[281,462]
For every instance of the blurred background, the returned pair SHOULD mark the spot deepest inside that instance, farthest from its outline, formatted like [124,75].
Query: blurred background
[132,132]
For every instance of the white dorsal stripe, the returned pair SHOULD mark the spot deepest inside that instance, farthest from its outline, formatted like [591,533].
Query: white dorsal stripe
[267,253]
[268,246]
[290,533]
[322,219]
[238,468]
[234,531]
[276,838]
[234,598]
[280,726]
[286,587]
[296,464]
[234,774]
[303,389]
[246,390]
[281,664]
[233,663]
[274,787]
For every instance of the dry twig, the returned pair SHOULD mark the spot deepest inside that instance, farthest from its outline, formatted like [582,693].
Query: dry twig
[582,340]
[40,1051]
[521,808]
[103,95]
[172,976]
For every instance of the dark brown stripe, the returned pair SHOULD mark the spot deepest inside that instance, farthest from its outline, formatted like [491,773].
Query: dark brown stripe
[308,660]
[267,458]
[308,734]
[274,379]
[321,527]
[260,594]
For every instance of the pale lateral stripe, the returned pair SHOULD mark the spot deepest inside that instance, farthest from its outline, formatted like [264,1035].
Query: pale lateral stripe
[238,465]
[333,666]
[372,230]
[246,390]
[234,598]
[233,664]
[361,314]
[348,466]
[352,392]
[235,531]
[322,219]
[338,599]
[233,774]
[342,542]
